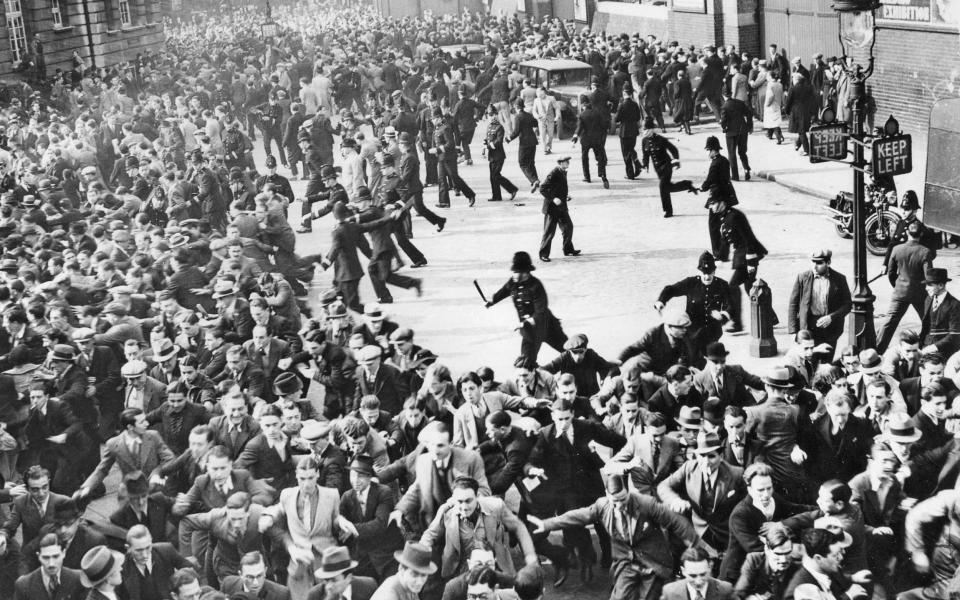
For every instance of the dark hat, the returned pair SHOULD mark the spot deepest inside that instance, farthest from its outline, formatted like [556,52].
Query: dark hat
[271,161]
[707,443]
[706,263]
[821,255]
[522,263]
[649,123]
[197,156]
[348,143]
[327,172]
[779,377]
[423,357]
[716,350]
[287,383]
[236,173]
[363,465]
[936,276]
[340,211]
[910,201]
[713,410]
[689,417]
[303,136]
[405,138]
[63,352]
[563,159]
[363,193]
[66,511]
[334,561]
[136,483]
[577,341]
[595,80]
[712,143]
[416,557]
[387,160]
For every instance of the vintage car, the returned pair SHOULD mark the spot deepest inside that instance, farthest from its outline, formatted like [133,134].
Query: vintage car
[473,51]
[565,79]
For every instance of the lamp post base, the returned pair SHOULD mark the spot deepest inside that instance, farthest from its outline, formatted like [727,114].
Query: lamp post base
[862,333]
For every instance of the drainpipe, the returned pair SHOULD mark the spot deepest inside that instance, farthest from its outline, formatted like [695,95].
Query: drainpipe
[90,44]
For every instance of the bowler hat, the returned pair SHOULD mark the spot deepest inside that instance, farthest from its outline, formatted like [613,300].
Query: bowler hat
[716,351]
[98,564]
[522,263]
[327,172]
[66,511]
[416,557]
[936,276]
[334,561]
[708,442]
[712,143]
[707,264]
[287,383]
[405,138]
[363,465]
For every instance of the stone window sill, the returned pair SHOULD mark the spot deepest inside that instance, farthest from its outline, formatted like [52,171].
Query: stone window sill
[63,28]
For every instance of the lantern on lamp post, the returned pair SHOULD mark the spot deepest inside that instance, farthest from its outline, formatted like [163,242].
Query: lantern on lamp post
[857,24]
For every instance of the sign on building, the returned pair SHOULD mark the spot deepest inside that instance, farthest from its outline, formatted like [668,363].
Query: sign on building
[931,12]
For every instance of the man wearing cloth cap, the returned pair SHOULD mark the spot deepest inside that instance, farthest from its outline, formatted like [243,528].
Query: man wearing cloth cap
[820,301]
[585,364]
[662,346]
[709,488]
[537,322]
[708,302]
[556,194]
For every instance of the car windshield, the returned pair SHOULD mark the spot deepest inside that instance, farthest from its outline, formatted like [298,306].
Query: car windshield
[579,77]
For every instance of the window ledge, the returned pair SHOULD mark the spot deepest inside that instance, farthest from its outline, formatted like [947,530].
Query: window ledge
[133,28]
[62,28]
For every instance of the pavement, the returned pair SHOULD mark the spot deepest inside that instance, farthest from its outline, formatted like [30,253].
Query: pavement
[629,253]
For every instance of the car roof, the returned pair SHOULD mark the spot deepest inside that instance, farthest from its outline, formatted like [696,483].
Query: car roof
[555,64]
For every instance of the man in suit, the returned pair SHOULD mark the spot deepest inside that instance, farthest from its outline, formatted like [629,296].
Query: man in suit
[569,473]
[504,453]
[377,378]
[180,473]
[346,239]
[309,517]
[820,301]
[32,510]
[269,456]
[333,369]
[739,449]
[697,584]
[136,449]
[930,370]
[148,566]
[930,418]
[235,529]
[266,352]
[187,278]
[823,552]
[337,578]
[246,373]
[836,443]
[176,417]
[252,580]
[906,271]
[332,460]
[648,457]
[140,390]
[55,437]
[467,520]
[729,383]
[707,487]
[76,538]
[903,361]
[869,372]
[436,470]
[940,322]
[143,508]
[556,194]
[748,518]
[592,125]
[641,555]
[52,580]
[585,364]
[235,428]
[212,489]
[766,573]
[878,493]
[101,364]
[368,504]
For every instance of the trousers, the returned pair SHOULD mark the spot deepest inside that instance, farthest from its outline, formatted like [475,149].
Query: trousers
[447,176]
[599,153]
[550,223]
[628,148]
[381,273]
[737,146]
[421,209]
[534,336]
[526,156]
[497,180]
[667,187]
[898,307]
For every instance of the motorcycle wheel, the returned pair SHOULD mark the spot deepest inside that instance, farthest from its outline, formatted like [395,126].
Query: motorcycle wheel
[879,229]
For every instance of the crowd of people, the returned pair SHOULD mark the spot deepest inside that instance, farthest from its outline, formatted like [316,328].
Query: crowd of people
[155,319]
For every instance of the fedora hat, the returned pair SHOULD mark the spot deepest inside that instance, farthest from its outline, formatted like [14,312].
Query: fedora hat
[870,361]
[178,239]
[287,383]
[166,351]
[98,564]
[689,417]
[707,443]
[778,377]
[66,511]
[63,352]
[716,350]
[522,263]
[363,465]
[334,561]
[901,428]
[416,557]
[423,357]
[374,311]
[936,276]
[314,430]
[834,526]
[222,289]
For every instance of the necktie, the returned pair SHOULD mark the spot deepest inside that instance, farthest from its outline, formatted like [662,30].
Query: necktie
[700,594]
[622,524]
[719,381]
[54,586]
[135,450]
[882,492]
[176,425]
[708,490]
[656,456]
[234,435]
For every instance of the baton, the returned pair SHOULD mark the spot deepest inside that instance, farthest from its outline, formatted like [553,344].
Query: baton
[876,278]
[479,291]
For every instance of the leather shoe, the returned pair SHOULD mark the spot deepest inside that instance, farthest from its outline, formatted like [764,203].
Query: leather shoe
[304,229]
[746,176]
[572,253]
[586,180]
[473,200]
[545,258]
[441,224]
[513,195]
[418,285]
[561,575]
[668,214]
[606,184]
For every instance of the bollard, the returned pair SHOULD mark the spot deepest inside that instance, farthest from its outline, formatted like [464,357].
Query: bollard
[762,342]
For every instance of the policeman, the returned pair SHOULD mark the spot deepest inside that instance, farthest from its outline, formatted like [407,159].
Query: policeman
[281,184]
[388,196]
[315,186]
[665,157]
[708,302]
[333,193]
[445,149]
[496,157]
[718,177]
[537,323]
[746,248]
[910,204]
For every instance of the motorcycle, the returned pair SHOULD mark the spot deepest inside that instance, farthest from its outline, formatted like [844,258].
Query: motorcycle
[881,221]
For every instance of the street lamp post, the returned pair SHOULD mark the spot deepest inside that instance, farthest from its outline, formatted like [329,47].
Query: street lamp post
[857,27]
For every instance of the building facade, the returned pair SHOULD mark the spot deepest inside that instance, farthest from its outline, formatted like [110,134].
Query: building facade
[101,32]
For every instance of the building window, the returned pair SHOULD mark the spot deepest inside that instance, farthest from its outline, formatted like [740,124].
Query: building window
[56,10]
[18,34]
[125,20]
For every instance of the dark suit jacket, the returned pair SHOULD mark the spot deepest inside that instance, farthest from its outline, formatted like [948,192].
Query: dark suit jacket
[276,350]
[910,390]
[85,539]
[378,539]
[221,433]
[186,279]
[745,522]
[801,303]
[941,328]
[204,495]
[250,379]
[158,512]
[347,238]
[504,461]
[389,387]
[265,463]
[361,588]
[835,459]
[838,584]
[735,382]
[153,453]
[755,578]
[940,465]
[716,590]
[655,353]
[875,515]
[908,266]
[30,587]
[333,468]
[710,520]
[23,512]
[165,560]
[271,590]
[58,419]
[193,415]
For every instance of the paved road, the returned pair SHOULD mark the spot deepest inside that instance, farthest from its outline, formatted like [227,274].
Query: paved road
[629,253]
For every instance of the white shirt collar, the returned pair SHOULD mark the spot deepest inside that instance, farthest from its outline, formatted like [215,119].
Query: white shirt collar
[823,580]
[692,591]
[148,566]
[768,510]
[227,486]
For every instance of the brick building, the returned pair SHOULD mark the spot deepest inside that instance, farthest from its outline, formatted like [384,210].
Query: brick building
[103,32]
